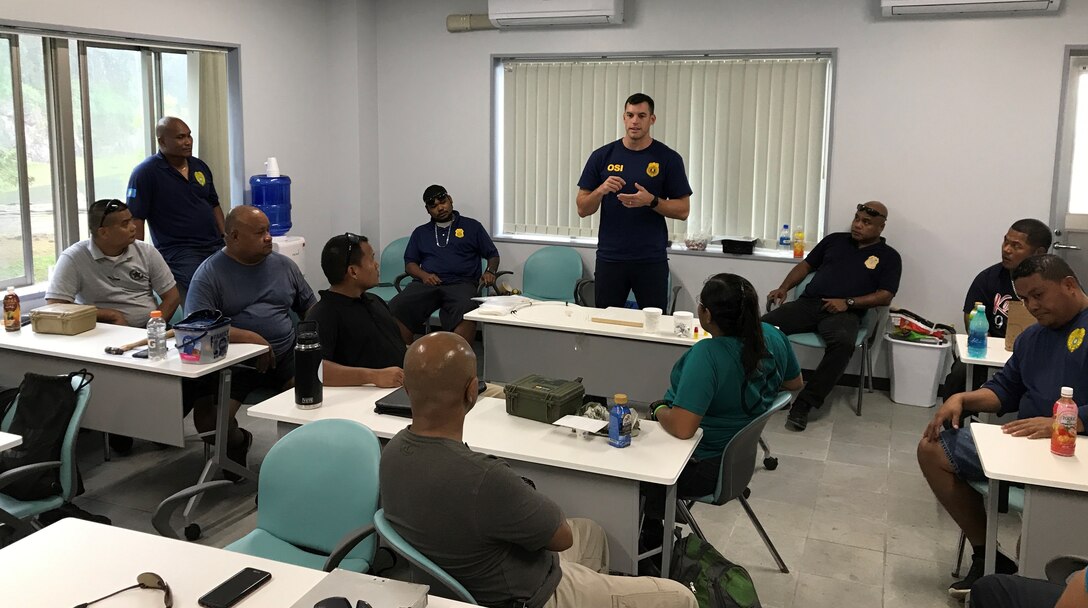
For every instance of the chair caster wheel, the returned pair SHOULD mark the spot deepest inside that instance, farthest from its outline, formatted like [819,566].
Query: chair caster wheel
[192,532]
[770,463]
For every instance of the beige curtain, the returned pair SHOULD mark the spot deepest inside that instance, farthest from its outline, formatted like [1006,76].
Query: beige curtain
[211,102]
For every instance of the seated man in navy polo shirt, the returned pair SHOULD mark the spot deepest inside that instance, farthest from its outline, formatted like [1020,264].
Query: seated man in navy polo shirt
[993,287]
[360,340]
[1048,355]
[858,270]
[173,190]
[443,256]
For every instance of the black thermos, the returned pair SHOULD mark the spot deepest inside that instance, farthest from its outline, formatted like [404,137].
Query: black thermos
[307,366]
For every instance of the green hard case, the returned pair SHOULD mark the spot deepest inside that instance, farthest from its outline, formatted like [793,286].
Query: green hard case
[543,399]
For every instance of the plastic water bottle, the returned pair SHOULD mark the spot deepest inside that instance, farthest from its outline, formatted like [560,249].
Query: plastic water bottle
[1063,435]
[784,241]
[977,332]
[272,195]
[620,422]
[798,241]
[156,336]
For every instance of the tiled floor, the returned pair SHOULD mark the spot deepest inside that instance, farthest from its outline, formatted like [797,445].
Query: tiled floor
[847,507]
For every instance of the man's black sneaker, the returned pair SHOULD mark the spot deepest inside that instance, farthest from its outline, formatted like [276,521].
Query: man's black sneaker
[962,588]
[121,444]
[797,420]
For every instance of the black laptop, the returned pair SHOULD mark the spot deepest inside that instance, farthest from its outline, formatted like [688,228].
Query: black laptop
[397,403]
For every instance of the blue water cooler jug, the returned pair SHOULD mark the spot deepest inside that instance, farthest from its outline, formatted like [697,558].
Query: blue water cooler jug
[272,195]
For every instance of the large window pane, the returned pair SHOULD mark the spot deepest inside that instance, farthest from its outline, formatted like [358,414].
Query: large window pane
[118,126]
[77,128]
[11,227]
[175,86]
[38,155]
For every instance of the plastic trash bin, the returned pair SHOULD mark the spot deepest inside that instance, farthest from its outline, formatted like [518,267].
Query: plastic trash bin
[916,371]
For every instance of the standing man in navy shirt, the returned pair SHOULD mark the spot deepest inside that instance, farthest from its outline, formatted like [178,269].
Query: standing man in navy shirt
[443,256]
[858,270]
[173,190]
[636,182]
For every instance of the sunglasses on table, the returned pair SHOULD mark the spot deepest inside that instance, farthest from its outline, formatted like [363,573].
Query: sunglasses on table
[111,207]
[434,200]
[147,580]
[870,211]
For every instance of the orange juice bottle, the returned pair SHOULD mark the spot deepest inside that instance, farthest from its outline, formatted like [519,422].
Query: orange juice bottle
[1063,436]
[798,242]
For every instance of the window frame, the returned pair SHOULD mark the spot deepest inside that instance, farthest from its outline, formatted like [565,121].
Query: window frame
[497,131]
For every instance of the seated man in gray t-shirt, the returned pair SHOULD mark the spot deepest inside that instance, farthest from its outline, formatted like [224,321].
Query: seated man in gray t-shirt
[476,518]
[113,271]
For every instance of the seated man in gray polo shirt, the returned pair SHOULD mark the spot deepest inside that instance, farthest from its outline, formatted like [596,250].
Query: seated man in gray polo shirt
[113,271]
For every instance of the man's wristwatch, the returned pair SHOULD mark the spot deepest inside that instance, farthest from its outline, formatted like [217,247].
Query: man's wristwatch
[653,203]
[849,302]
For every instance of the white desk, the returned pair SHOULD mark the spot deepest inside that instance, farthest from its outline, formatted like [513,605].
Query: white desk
[586,477]
[75,561]
[559,340]
[1055,496]
[7,441]
[996,355]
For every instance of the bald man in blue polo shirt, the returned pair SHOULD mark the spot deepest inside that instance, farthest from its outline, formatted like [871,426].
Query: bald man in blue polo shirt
[174,192]
[857,270]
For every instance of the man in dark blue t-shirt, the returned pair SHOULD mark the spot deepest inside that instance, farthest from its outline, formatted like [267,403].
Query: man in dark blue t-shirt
[858,270]
[1047,356]
[173,191]
[636,182]
[993,287]
[443,257]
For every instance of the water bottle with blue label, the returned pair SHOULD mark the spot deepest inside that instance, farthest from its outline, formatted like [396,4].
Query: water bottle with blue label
[620,421]
[977,330]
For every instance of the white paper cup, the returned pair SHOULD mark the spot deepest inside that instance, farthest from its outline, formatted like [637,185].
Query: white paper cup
[683,323]
[653,316]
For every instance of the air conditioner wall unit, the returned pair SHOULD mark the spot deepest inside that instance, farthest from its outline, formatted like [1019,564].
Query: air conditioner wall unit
[907,8]
[543,13]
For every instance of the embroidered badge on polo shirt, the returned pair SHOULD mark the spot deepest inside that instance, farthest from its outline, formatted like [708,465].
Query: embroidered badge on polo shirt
[872,262]
[653,169]
[199,177]
[459,233]
[1075,339]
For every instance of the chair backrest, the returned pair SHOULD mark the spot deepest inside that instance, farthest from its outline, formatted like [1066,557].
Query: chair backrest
[417,559]
[551,274]
[739,458]
[320,482]
[68,482]
[392,261]
[800,289]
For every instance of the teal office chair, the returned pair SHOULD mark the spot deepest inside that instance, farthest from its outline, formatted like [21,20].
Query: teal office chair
[391,266]
[20,514]
[738,466]
[407,551]
[551,273]
[871,327]
[318,495]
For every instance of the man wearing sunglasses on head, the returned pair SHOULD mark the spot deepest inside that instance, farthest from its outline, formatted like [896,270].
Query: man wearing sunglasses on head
[360,340]
[113,271]
[857,270]
[443,256]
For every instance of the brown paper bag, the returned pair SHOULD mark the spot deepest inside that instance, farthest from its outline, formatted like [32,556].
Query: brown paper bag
[1019,320]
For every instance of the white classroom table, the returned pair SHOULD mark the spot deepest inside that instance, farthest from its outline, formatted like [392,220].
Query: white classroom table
[129,396]
[8,441]
[75,561]
[1055,498]
[585,476]
[996,356]
[560,340]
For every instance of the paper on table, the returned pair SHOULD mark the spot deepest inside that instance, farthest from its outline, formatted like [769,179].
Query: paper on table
[581,423]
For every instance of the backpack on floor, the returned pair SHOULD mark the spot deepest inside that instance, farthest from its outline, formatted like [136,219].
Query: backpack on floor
[715,581]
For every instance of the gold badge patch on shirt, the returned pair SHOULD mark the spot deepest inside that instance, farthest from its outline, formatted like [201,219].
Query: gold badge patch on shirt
[199,177]
[459,233]
[1075,339]
[872,262]
[653,169]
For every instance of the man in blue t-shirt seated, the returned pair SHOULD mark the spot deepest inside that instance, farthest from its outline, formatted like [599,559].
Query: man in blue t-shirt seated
[855,271]
[993,287]
[636,182]
[258,289]
[1046,357]
[443,257]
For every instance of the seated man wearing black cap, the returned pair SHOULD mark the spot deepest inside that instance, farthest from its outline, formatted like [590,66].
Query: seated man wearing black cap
[443,256]
[360,340]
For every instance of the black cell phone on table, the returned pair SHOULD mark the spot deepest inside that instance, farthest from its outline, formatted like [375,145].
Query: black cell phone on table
[140,354]
[234,589]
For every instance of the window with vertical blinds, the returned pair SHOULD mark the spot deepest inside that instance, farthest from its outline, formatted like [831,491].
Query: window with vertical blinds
[752,132]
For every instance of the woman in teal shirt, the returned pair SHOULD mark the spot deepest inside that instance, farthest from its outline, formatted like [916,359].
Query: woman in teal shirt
[723,383]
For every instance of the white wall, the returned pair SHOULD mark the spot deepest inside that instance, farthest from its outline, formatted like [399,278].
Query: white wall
[307,90]
[951,122]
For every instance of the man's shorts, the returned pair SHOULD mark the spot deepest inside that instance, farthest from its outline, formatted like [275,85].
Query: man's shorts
[418,301]
[959,446]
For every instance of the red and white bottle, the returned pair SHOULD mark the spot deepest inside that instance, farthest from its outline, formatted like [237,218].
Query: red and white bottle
[1063,436]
